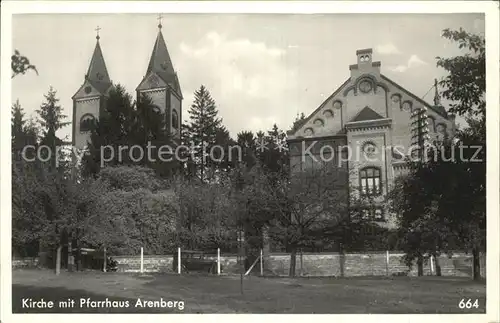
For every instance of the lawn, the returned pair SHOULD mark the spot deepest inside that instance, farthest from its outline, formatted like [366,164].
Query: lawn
[212,294]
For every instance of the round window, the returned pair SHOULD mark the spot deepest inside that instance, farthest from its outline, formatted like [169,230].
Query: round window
[365,86]
[369,149]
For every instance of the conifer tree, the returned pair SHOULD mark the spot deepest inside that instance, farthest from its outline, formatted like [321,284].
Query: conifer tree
[24,132]
[18,123]
[204,132]
[51,119]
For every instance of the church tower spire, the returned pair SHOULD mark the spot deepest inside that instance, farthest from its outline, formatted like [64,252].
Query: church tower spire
[160,62]
[90,99]
[162,86]
[97,73]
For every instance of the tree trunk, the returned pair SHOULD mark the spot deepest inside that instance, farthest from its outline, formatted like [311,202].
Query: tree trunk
[58,260]
[70,255]
[266,247]
[420,265]
[438,266]
[342,260]
[476,267]
[293,261]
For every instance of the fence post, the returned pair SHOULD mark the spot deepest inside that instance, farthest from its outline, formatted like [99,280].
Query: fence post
[218,261]
[387,262]
[142,260]
[472,263]
[261,264]
[178,260]
[105,259]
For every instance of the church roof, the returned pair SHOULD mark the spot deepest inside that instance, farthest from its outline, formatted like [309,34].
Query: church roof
[160,63]
[97,73]
[367,114]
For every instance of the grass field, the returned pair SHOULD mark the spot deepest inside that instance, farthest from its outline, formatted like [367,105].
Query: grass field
[212,294]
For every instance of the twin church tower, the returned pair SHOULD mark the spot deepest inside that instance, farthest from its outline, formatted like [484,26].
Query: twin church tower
[160,84]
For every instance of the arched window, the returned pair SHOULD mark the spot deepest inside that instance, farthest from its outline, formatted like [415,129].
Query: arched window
[87,122]
[370,181]
[175,119]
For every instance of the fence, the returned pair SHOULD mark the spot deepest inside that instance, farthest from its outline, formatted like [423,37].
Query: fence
[307,264]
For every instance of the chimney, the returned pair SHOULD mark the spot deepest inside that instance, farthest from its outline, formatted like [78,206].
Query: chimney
[365,64]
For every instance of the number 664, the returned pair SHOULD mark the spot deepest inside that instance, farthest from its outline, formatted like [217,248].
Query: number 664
[468,304]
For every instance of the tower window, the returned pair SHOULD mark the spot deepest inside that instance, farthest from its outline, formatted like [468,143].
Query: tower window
[175,120]
[87,122]
[370,181]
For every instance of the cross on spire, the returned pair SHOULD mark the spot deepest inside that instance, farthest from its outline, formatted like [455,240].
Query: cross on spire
[97,30]
[159,20]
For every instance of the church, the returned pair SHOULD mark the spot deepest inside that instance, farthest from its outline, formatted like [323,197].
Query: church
[373,124]
[160,83]
[376,122]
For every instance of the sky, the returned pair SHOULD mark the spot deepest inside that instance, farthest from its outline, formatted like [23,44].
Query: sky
[261,69]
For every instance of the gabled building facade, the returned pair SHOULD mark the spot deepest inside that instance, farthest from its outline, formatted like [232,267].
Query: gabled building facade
[160,84]
[372,124]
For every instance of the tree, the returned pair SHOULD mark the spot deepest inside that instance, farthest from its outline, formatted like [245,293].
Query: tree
[465,84]
[208,137]
[364,232]
[308,208]
[45,213]
[20,64]
[206,218]
[442,203]
[24,132]
[51,119]
[299,121]
[113,128]
[17,126]
[137,209]
[275,156]
[126,123]
[246,140]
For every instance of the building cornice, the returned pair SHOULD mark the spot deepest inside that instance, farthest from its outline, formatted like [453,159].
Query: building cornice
[368,124]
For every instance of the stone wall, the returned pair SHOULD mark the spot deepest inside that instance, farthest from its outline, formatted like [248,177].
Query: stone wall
[25,263]
[307,265]
[164,263]
[367,264]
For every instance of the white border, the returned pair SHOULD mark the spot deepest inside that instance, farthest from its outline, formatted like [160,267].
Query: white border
[491,10]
